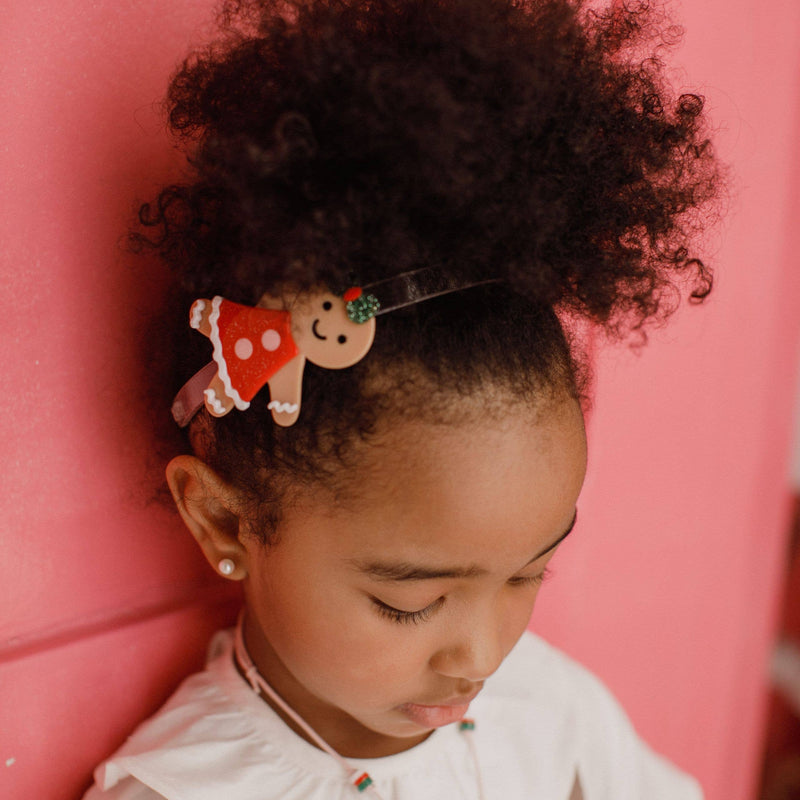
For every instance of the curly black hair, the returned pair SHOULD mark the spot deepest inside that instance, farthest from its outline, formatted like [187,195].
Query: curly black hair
[338,141]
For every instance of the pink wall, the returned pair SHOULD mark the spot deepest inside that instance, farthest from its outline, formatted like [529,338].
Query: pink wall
[668,588]
[670,592]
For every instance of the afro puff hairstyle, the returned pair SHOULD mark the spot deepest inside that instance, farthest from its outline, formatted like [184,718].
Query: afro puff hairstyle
[337,141]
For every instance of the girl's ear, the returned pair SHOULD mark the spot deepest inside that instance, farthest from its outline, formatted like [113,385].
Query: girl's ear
[208,506]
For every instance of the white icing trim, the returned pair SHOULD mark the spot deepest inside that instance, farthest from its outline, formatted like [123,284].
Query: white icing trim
[213,400]
[281,408]
[219,357]
[198,307]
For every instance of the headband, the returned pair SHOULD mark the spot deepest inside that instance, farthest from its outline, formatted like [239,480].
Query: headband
[270,343]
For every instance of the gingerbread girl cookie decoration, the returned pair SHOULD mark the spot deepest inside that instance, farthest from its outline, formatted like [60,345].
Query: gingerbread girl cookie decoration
[268,344]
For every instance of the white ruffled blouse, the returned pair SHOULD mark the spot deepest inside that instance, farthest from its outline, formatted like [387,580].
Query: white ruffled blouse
[541,721]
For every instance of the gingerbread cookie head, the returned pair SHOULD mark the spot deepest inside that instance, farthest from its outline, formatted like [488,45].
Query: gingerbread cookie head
[328,332]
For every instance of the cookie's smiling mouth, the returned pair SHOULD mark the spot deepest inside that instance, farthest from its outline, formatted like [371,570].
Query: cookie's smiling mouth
[314,331]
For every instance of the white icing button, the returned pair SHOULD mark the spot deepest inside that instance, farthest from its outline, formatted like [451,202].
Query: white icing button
[243,349]
[270,340]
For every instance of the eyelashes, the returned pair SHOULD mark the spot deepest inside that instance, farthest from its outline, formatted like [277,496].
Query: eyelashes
[406,617]
[533,580]
[416,617]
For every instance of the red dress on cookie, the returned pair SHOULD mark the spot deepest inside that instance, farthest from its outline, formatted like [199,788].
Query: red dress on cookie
[250,345]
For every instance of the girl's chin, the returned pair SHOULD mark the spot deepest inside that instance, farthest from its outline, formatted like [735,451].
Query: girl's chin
[386,740]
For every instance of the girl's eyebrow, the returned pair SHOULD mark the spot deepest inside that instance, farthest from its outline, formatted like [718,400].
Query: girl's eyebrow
[404,571]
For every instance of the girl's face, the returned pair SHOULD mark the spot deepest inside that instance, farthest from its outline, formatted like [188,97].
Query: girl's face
[378,617]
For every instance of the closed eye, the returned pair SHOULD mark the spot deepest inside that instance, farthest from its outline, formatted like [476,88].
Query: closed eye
[532,580]
[406,617]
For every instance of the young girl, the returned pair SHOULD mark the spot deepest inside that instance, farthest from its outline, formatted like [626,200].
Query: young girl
[396,211]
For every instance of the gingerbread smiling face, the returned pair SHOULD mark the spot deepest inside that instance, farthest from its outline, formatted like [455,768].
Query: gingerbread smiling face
[326,335]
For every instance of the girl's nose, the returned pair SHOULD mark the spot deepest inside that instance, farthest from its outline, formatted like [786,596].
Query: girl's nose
[472,653]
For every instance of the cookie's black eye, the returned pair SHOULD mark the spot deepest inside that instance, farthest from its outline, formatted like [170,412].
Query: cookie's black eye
[342,339]
[327,305]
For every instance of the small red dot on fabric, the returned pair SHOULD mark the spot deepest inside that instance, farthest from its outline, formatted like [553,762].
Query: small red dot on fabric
[352,294]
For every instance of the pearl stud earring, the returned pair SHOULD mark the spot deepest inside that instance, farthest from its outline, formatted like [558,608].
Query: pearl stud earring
[226,566]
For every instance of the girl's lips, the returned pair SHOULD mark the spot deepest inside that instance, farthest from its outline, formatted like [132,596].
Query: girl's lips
[434,716]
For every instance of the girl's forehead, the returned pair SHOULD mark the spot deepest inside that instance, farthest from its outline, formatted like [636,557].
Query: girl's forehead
[446,490]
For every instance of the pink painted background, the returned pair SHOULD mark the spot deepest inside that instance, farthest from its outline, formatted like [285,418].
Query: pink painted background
[667,590]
